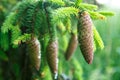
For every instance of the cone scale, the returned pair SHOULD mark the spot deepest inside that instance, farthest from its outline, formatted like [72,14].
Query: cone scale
[34,52]
[85,36]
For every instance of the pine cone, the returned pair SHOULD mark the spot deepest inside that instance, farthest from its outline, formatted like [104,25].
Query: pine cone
[52,53]
[71,46]
[34,52]
[85,36]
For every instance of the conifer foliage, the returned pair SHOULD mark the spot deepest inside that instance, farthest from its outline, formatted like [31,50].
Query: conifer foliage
[32,22]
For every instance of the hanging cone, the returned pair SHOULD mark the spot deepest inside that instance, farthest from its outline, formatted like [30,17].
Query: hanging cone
[85,36]
[52,53]
[34,52]
[71,46]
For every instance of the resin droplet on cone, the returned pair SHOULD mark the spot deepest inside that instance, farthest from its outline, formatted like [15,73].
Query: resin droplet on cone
[85,36]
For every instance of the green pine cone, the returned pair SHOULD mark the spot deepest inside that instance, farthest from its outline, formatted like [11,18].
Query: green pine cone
[52,56]
[85,36]
[34,52]
[71,46]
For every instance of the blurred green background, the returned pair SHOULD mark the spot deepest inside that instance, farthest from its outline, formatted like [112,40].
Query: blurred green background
[106,63]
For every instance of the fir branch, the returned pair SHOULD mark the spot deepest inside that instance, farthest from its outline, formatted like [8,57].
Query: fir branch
[62,13]
[57,2]
[95,47]
[68,24]
[16,32]
[17,6]
[51,27]
[78,2]
[82,6]
[61,27]
[97,15]
[30,1]
[41,27]
[38,21]
[4,41]
[47,13]
[29,19]
[86,6]
[22,38]
[8,24]
[106,13]
[98,40]
[21,10]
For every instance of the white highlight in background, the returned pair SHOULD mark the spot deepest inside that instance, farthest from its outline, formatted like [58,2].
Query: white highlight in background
[110,3]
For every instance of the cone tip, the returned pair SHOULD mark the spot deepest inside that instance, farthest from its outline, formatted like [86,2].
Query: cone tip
[90,62]
[55,76]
